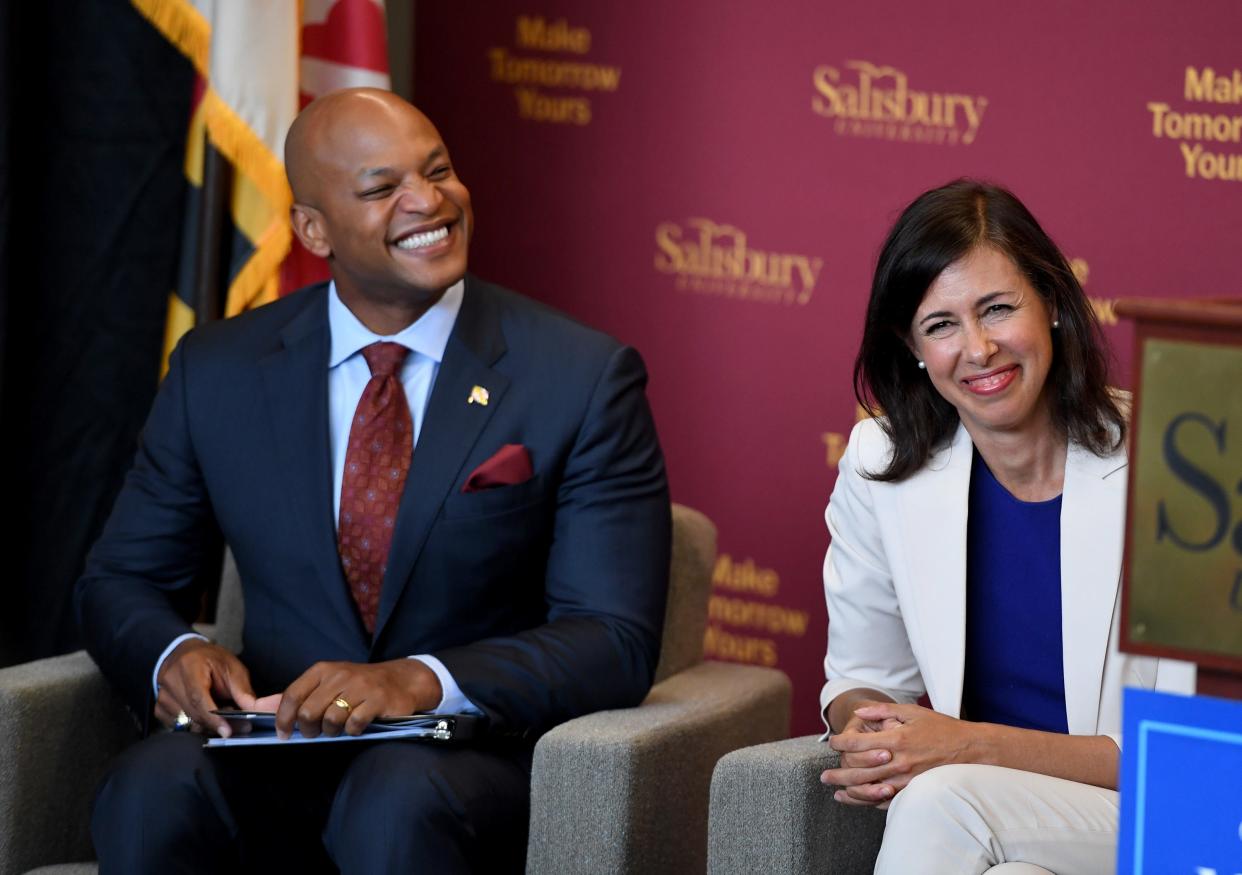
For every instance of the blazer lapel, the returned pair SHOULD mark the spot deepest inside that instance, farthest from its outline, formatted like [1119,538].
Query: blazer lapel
[450,428]
[933,510]
[295,383]
[1092,536]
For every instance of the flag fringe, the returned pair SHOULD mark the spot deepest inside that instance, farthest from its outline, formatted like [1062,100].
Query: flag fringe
[246,151]
[258,280]
[256,283]
[183,26]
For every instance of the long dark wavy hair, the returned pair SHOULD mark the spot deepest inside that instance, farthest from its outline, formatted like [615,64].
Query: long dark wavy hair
[940,227]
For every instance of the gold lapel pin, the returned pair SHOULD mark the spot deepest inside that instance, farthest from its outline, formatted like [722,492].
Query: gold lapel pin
[478,395]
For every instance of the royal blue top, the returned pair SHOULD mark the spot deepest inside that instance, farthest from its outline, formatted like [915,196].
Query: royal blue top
[1014,666]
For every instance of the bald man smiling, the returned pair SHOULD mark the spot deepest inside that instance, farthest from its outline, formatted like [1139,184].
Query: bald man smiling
[441,496]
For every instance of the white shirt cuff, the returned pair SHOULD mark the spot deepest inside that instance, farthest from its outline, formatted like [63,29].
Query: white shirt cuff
[454,700]
[159,663]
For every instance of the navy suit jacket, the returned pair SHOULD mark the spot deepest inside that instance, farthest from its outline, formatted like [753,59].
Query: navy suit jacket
[544,600]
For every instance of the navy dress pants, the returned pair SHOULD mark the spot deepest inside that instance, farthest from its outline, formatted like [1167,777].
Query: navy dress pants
[168,805]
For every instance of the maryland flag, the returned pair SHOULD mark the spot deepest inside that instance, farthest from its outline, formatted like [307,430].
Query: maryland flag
[258,63]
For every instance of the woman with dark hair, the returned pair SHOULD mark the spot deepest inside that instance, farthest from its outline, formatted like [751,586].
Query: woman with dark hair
[977,531]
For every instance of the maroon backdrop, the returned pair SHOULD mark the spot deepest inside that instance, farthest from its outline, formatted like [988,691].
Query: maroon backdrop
[711,183]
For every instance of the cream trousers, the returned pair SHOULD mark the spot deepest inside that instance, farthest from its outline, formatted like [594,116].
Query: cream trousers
[970,819]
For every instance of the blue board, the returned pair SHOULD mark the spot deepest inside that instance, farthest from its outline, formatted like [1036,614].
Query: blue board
[1181,785]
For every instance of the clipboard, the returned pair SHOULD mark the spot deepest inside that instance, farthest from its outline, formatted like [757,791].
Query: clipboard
[440,728]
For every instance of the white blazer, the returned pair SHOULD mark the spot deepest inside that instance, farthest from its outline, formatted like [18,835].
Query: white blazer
[895,582]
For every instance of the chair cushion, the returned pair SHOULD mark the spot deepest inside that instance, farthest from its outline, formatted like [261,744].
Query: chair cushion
[689,585]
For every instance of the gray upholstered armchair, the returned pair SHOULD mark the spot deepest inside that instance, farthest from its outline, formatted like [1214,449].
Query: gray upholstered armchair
[770,813]
[618,791]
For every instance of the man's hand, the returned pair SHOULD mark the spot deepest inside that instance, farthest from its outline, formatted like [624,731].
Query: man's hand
[193,676]
[381,689]
[890,745]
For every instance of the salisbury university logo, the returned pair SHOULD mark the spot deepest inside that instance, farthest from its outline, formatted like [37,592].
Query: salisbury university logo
[869,100]
[716,259]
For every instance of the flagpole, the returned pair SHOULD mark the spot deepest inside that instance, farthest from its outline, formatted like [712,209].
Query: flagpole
[213,258]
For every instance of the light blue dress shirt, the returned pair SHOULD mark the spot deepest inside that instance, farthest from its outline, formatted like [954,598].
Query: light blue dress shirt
[348,375]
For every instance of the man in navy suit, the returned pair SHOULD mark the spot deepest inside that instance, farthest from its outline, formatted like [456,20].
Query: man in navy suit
[526,575]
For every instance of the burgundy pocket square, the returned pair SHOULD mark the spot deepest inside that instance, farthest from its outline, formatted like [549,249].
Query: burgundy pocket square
[508,467]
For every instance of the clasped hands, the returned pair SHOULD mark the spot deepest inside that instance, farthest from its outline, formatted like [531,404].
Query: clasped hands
[884,745]
[198,673]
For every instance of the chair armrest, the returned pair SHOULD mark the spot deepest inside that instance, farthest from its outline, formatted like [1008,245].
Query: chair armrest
[627,790]
[770,813]
[60,723]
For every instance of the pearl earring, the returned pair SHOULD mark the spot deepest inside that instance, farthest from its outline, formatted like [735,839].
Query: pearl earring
[1056,323]
[922,366]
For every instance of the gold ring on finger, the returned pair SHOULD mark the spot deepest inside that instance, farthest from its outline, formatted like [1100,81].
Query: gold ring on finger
[341,703]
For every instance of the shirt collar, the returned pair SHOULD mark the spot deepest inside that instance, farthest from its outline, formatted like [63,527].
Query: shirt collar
[428,336]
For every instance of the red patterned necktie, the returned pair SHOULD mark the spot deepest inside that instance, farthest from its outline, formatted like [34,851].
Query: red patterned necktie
[381,441]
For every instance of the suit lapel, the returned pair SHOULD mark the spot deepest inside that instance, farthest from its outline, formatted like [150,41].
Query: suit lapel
[450,428]
[933,511]
[1092,534]
[295,384]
